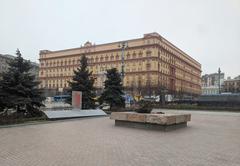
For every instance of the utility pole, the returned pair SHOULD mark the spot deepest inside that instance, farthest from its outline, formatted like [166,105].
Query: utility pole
[219,80]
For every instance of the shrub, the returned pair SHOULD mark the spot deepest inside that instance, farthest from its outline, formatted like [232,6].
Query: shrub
[143,107]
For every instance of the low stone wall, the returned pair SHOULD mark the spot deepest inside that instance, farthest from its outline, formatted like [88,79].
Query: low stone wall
[154,120]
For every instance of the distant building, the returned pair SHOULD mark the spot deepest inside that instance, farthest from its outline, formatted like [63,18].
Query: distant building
[35,69]
[5,59]
[232,85]
[210,83]
[238,77]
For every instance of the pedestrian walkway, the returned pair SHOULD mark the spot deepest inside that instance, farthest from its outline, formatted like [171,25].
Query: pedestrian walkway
[210,139]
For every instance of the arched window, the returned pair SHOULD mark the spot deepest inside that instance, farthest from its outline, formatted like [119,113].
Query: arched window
[134,55]
[112,57]
[96,59]
[117,57]
[148,53]
[106,58]
[128,56]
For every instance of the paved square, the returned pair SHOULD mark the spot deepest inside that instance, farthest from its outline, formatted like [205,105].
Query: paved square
[210,139]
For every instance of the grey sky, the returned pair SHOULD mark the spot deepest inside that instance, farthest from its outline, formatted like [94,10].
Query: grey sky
[208,30]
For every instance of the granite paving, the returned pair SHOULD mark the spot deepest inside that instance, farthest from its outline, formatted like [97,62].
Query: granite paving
[211,139]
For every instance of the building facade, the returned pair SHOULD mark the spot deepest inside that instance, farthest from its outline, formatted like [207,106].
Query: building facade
[150,63]
[232,85]
[210,83]
[35,69]
[5,59]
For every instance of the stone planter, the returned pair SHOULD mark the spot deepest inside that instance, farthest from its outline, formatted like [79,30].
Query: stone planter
[166,121]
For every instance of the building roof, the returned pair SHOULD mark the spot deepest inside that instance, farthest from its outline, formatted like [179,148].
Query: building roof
[7,56]
[145,36]
[235,79]
[212,74]
[11,57]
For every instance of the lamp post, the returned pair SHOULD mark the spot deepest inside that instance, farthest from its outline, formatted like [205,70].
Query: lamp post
[219,82]
[123,45]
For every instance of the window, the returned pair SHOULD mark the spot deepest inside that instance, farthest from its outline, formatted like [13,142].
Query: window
[96,59]
[148,66]
[106,58]
[148,53]
[134,55]
[112,57]
[128,56]
[117,57]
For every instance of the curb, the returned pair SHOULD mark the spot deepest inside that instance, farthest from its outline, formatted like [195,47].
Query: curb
[48,121]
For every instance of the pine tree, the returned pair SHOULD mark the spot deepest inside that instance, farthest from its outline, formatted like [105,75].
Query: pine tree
[113,90]
[19,88]
[83,81]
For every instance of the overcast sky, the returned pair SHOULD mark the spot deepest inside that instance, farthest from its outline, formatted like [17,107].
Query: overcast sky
[207,30]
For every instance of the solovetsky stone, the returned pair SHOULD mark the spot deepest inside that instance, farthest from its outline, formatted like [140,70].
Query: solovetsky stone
[118,115]
[134,117]
[155,121]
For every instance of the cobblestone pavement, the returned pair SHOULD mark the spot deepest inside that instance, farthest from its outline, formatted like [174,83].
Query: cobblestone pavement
[210,139]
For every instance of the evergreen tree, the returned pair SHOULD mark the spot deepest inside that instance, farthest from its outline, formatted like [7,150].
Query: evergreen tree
[113,90]
[83,81]
[2,103]
[19,89]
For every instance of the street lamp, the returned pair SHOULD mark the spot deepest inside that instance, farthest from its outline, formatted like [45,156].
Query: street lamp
[219,78]
[123,45]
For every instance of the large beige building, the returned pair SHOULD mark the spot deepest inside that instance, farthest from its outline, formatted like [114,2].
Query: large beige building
[150,63]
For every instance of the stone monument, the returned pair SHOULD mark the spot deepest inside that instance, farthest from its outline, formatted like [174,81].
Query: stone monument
[76,111]
[77,99]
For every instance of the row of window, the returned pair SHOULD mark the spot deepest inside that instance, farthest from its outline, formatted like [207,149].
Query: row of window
[179,63]
[99,83]
[96,59]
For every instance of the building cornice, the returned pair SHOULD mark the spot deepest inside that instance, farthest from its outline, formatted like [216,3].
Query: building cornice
[148,36]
